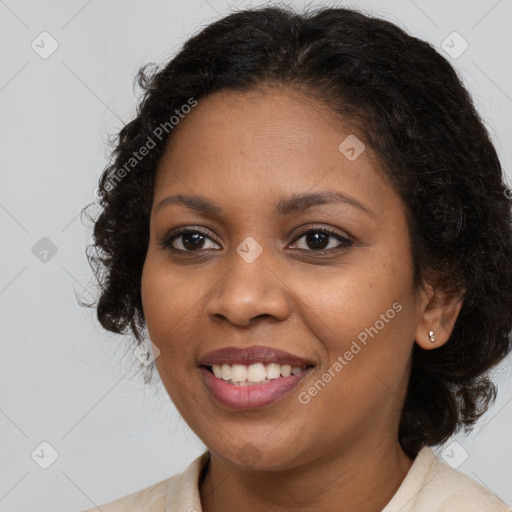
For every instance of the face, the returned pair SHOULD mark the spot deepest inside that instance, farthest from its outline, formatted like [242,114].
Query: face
[327,280]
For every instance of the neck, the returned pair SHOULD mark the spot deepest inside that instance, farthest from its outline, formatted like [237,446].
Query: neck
[359,479]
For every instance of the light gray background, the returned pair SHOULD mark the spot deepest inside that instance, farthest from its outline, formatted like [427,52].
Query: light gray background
[63,379]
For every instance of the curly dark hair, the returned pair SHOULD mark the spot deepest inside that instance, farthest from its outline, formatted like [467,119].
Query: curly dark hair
[408,105]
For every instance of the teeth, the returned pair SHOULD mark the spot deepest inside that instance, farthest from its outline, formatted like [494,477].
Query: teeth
[273,371]
[242,375]
[226,372]
[255,373]
[286,370]
[238,372]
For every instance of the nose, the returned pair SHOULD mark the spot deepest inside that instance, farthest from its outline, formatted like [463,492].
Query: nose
[249,291]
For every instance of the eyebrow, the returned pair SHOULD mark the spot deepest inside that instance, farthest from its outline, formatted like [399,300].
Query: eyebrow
[286,206]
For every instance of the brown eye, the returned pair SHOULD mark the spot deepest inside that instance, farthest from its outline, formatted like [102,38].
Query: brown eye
[187,241]
[319,240]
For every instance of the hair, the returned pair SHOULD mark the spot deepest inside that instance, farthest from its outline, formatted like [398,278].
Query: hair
[406,103]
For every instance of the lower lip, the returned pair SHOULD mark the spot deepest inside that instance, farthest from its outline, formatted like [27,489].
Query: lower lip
[250,397]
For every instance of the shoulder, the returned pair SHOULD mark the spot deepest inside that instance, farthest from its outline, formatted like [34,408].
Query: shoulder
[460,492]
[431,485]
[163,496]
[150,499]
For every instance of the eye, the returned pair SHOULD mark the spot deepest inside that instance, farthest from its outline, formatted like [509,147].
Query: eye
[317,240]
[188,240]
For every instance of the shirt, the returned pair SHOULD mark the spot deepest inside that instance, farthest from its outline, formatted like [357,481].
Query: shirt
[430,485]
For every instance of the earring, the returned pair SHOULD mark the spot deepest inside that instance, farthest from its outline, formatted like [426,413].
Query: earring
[431,336]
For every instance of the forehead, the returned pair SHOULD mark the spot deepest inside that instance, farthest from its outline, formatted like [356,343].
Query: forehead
[265,142]
[280,120]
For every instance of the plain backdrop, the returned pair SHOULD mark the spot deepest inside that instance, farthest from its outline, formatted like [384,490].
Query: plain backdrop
[70,397]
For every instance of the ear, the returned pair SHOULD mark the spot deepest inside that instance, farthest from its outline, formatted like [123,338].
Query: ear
[437,312]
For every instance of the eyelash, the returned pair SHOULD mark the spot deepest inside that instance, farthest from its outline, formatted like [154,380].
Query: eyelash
[344,242]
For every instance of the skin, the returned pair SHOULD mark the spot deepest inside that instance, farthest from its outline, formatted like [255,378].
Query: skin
[245,151]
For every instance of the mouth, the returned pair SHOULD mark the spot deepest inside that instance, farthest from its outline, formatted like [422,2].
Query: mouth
[251,377]
[255,374]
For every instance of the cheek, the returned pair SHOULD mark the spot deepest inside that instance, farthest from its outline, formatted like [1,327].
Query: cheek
[366,315]
[354,297]
[168,303]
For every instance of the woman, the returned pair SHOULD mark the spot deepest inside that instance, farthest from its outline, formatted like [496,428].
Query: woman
[310,219]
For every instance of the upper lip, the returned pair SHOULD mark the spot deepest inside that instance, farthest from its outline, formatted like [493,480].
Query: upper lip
[252,355]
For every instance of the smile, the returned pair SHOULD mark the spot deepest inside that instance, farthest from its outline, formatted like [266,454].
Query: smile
[251,377]
[254,374]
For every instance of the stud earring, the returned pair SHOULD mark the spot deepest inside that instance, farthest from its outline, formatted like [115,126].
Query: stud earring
[431,336]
